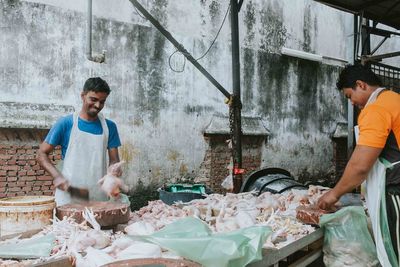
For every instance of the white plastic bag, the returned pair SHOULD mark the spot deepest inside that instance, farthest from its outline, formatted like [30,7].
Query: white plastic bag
[228,182]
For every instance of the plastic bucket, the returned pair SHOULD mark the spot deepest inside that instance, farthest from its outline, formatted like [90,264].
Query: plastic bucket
[25,213]
[172,197]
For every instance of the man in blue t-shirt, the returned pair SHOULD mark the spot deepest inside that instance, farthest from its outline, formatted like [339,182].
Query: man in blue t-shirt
[84,137]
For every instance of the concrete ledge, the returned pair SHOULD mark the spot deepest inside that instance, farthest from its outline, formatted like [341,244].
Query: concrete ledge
[341,130]
[251,126]
[31,116]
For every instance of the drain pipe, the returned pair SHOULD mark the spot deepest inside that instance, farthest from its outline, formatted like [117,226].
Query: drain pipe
[99,58]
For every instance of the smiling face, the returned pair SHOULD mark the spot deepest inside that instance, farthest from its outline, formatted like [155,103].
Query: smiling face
[358,95]
[92,104]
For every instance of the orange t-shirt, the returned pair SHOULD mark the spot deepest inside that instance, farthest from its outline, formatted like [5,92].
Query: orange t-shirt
[379,125]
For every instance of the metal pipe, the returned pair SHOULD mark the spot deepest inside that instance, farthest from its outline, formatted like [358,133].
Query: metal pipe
[236,123]
[99,58]
[180,47]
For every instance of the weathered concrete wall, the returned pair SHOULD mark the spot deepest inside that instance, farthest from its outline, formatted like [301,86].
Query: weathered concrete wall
[161,113]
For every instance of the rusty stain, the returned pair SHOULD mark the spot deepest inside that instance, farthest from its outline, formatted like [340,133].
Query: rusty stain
[173,155]
[128,152]
[183,169]
[138,122]
[156,172]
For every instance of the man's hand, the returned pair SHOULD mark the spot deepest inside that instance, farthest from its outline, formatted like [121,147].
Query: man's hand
[61,183]
[328,200]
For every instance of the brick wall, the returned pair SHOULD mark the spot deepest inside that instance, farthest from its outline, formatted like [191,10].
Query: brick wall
[20,174]
[217,158]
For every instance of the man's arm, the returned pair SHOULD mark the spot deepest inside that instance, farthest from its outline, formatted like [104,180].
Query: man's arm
[360,163]
[113,155]
[43,158]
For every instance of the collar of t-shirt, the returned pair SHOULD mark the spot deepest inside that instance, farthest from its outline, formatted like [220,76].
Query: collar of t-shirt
[93,127]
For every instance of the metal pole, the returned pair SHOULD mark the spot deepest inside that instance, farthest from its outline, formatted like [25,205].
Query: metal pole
[180,47]
[236,105]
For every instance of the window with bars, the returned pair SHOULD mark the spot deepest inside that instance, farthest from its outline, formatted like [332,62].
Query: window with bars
[390,76]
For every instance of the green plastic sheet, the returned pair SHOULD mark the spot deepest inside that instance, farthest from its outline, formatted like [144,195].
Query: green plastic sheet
[192,239]
[30,248]
[347,240]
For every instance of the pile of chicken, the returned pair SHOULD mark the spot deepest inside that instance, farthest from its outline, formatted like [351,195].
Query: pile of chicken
[91,246]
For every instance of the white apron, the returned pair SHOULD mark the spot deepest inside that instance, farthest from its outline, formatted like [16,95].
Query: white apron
[375,190]
[84,162]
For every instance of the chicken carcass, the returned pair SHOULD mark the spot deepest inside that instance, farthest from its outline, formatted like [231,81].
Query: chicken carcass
[110,183]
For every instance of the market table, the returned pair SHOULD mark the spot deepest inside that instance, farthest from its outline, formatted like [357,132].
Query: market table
[312,243]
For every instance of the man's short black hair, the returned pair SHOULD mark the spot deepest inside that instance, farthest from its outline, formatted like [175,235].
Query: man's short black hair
[96,84]
[351,73]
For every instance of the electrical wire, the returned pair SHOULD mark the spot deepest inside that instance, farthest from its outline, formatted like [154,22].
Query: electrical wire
[170,66]
[137,12]
[219,30]
[205,53]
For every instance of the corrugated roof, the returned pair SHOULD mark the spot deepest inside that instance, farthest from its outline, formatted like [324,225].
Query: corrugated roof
[383,11]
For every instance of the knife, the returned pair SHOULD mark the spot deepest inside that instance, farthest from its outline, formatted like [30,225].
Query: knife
[77,192]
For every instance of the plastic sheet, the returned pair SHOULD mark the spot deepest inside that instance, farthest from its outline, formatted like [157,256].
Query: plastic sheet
[30,248]
[192,239]
[347,241]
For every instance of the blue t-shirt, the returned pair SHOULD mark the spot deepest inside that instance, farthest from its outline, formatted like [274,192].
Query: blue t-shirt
[61,131]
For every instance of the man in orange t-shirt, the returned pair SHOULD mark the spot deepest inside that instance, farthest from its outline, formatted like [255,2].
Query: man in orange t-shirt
[379,124]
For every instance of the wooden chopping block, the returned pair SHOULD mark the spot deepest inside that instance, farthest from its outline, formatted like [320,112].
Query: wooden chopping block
[107,213]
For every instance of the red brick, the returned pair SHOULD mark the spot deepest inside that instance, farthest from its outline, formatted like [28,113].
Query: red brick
[48,183]
[45,188]
[36,167]
[11,194]
[11,173]
[27,178]
[22,173]
[2,162]
[2,184]
[12,179]
[11,162]
[21,162]
[44,178]
[10,168]
[21,183]
[27,188]
[30,173]
[3,173]
[32,162]
[40,172]
[2,195]
[21,193]
[21,151]
[30,183]
[2,189]
[2,156]
[14,189]
[11,184]
[48,193]
[11,151]
[30,151]
[3,179]
[36,188]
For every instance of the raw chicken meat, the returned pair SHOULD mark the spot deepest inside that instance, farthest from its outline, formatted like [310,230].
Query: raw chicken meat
[110,183]
[309,214]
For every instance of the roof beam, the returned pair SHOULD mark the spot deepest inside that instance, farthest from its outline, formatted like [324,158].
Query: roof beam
[369,4]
